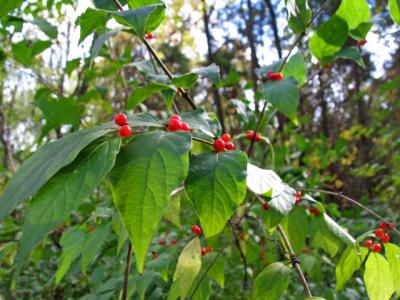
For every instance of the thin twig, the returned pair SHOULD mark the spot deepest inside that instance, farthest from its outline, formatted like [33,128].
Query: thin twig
[127,270]
[243,257]
[355,202]
[295,262]
[202,141]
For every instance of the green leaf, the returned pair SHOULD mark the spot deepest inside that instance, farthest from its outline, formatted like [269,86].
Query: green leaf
[144,119]
[185,81]
[349,262]
[392,252]
[24,52]
[378,278]
[216,186]
[323,238]
[315,298]
[352,53]
[299,15]
[296,68]
[272,283]
[394,9]
[71,243]
[8,6]
[90,21]
[93,242]
[140,94]
[217,271]
[99,43]
[361,31]
[339,232]
[141,3]
[296,226]
[329,38]
[188,266]
[173,212]
[65,192]
[199,119]
[210,72]
[284,96]
[50,30]
[146,172]
[72,65]
[46,162]
[354,12]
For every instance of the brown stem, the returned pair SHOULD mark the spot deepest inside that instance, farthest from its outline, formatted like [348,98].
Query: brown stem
[127,270]
[355,202]
[295,262]
[243,257]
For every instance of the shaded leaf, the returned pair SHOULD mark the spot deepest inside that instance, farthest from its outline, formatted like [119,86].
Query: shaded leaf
[299,15]
[141,94]
[352,53]
[99,43]
[90,21]
[350,261]
[144,119]
[392,252]
[378,277]
[272,283]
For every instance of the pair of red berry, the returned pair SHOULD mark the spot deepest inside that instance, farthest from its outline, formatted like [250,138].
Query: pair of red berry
[381,235]
[149,36]
[224,143]
[314,211]
[162,242]
[251,136]
[205,250]
[361,42]
[196,230]
[374,247]
[176,123]
[271,75]
[122,121]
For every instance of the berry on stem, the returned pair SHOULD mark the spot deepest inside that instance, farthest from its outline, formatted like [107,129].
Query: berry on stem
[271,75]
[196,230]
[376,247]
[314,211]
[379,233]
[203,251]
[250,135]
[219,145]
[298,197]
[125,131]
[175,117]
[210,249]
[386,238]
[229,146]
[383,225]
[173,242]
[265,206]
[368,243]
[226,137]
[185,127]
[162,242]
[120,119]
[174,124]
[361,42]
[149,36]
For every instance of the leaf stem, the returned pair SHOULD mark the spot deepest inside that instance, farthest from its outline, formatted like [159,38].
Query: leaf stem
[126,274]
[202,141]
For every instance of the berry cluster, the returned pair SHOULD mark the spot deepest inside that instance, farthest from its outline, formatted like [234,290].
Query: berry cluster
[205,250]
[149,36]
[122,121]
[196,230]
[271,75]
[176,123]
[224,143]
[381,235]
[251,136]
[361,42]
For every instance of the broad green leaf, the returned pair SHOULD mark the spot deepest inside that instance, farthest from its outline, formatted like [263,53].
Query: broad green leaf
[50,30]
[92,245]
[216,186]
[361,31]
[199,119]
[296,226]
[90,21]
[140,94]
[108,4]
[296,68]
[271,283]
[284,96]
[65,192]
[185,81]
[46,162]
[352,53]
[173,212]
[72,65]
[210,72]
[323,238]
[144,119]
[7,6]
[99,43]
[329,38]
[378,278]
[25,52]
[339,232]
[392,252]
[161,265]
[140,284]
[146,172]
[188,266]
[299,15]
[141,3]
[354,12]
[217,271]
[71,243]
[394,9]
[349,262]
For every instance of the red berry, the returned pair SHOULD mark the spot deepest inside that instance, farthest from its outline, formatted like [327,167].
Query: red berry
[162,242]
[196,230]
[329,66]
[271,75]
[361,42]
[185,127]
[377,247]
[306,251]
[219,145]
[226,137]
[210,249]
[203,251]
[176,117]
[298,197]
[258,137]
[278,76]
[250,134]
[149,36]
[230,146]
[265,206]
[383,225]
[314,211]
[121,119]
[390,226]
[174,125]
[368,243]
[125,131]
[386,238]
[379,233]
[173,242]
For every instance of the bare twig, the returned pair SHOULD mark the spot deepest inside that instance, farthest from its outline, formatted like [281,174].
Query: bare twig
[243,257]
[295,262]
